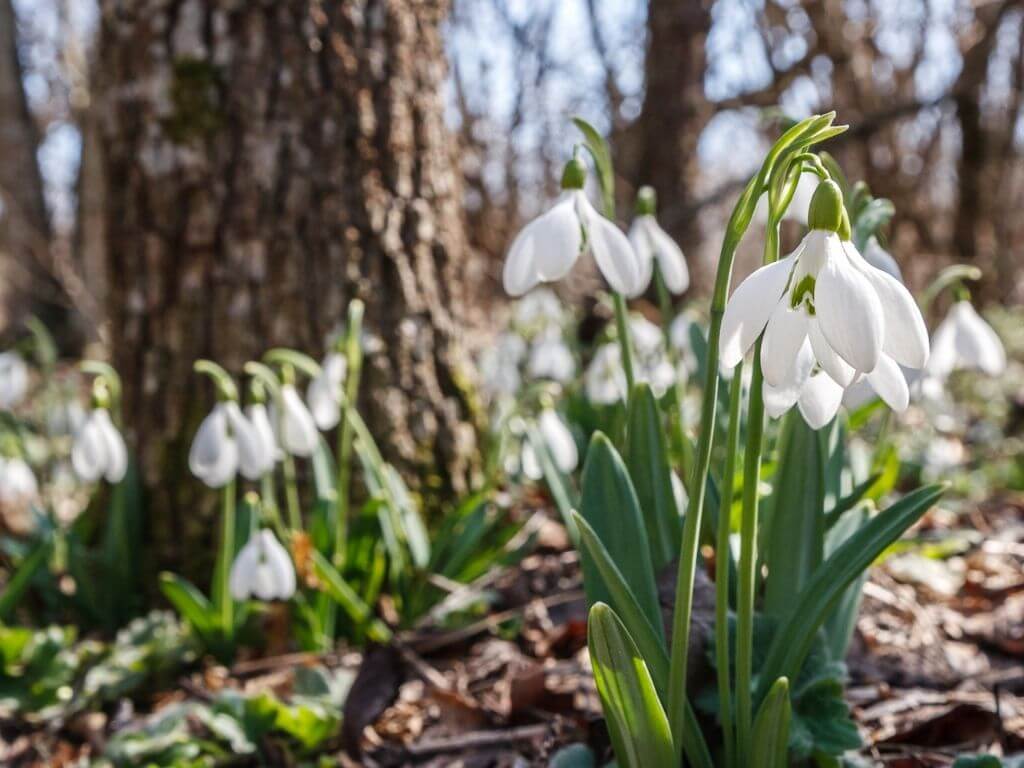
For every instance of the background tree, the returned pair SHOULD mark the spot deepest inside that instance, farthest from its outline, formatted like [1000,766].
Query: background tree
[265,163]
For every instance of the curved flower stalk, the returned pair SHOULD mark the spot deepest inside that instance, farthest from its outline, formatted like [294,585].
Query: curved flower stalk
[263,569]
[13,380]
[98,450]
[548,247]
[964,340]
[653,245]
[18,485]
[227,443]
[323,395]
[551,358]
[799,205]
[559,441]
[824,309]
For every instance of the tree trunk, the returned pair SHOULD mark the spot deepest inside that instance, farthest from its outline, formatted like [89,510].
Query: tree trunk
[674,113]
[26,281]
[266,162]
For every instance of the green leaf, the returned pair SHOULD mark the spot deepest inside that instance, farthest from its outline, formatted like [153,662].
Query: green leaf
[637,722]
[19,582]
[413,530]
[647,459]
[814,603]
[610,506]
[796,522]
[190,603]
[841,622]
[871,218]
[334,585]
[978,761]
[771,728]
[821,722]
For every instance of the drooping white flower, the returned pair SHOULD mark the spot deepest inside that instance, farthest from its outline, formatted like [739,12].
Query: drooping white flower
[263,429]
[653,244]
[13,380]
[551,358]
[558,440]
[499,365]
[263,569]
[537,312]
[65,418]
[324,392]
[879,258]
[646,337]
[548,247]
[225,444]
[297,431]
[18,484]
[605,379]
[825,308]
[99,450]
[964,340]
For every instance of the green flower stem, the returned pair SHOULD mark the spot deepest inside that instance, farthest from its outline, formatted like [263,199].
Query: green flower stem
[722,652]
[291,491]
[678,424]
[748,533]
[622,325]
[346,435]
[227,555]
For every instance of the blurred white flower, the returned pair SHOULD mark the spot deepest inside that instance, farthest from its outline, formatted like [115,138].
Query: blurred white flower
[651,243]
[262,569]
[558,440]
[647,338]
[18,484]
[943,454]
[297,431]
[99,450]
[224,444]
[964,340]
[551,358]
[324,392]
[538,311]
[879,258]
[263,429]
[499,365]
[605,380]
[13,380]
[65,418]
[548,247]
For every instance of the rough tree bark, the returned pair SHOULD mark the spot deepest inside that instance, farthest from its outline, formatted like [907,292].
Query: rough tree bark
[25,280]
[266,162]
[662,147]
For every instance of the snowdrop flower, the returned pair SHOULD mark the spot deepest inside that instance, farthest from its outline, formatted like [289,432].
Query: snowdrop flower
[99,450]
[297,431]
[65,418]
[605,379]
[262,570]
[651,243]
[551,358]
[224,444]
[324,392]
[18,484]
[824,308]
[538,311]
[646,337]
[548,247]
[560,444]
[13,380]
[964,340]
[499,365]
[879,258]
[262,426]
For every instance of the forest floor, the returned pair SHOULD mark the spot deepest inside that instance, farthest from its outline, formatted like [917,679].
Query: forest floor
[936,668]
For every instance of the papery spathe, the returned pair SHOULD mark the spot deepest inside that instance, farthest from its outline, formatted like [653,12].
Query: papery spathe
[262,569]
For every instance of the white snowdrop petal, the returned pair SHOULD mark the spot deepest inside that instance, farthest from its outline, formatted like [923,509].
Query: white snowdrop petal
[612,251]
[879,258]
[258,417]
[242,571]
[114,448]
[552,359]
[888,381]
[529,463]
[281,564]
[819,401]
[644,250]
[299,435]
[519,274]
[784,336]
[14,377]
[559,440]
[778,401]
[88,452]
[848,310]
[558,240]
[977,345]
[323,403]
[906,337]
[793,381]
[840,371]
[943,357]
[749,308]
[251,455]
[208,442]
[669,255]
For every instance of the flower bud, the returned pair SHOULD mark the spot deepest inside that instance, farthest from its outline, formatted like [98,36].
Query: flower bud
[826,211]
[646,201]
[574,175]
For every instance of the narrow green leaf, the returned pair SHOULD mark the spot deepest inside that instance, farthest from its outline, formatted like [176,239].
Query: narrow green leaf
[771,728]
[18,583]
[610,505]
[333,583]
[637,722]
[842,620]
[602,155]
[190,603]
[848,502]
[796,633]
[795,543]
[647,459]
